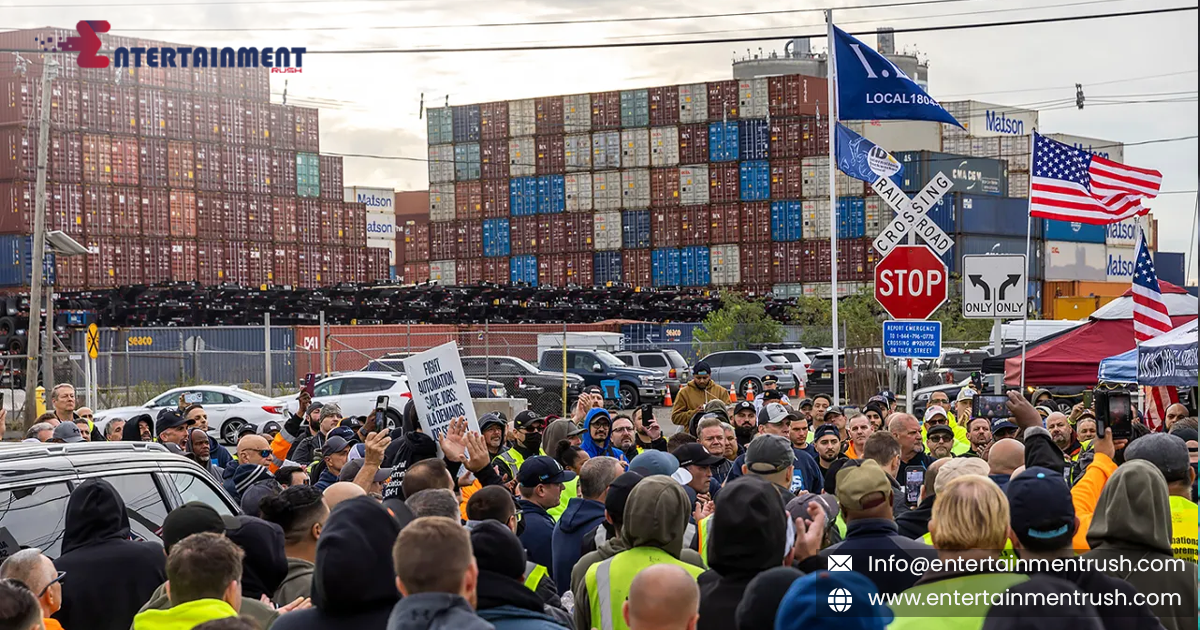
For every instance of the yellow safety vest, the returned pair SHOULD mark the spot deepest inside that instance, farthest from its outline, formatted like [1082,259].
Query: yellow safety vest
[1007,553]
[570,491]
[703,531]
[608,583]
[1183,540]
[534,574]
[513,459]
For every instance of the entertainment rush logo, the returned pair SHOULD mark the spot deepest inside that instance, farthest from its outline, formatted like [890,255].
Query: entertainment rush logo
[87,44]
[997,122]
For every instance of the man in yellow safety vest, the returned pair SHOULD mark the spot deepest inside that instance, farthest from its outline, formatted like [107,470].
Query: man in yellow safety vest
[527,442]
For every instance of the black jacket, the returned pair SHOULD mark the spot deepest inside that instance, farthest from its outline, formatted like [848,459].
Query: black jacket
[111,576]
[538,535]
[1101,586]
[915,522]
[354,584]
[265,563]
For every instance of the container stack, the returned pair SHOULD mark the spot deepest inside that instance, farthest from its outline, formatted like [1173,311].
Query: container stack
[1089,265]
[174,174]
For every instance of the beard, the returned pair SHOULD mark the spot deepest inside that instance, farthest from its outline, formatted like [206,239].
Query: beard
[744,434]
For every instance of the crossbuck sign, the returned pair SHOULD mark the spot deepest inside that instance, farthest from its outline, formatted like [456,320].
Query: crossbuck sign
[910,214]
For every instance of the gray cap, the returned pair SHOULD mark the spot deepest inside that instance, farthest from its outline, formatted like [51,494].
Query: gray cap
[652,462]
[768,454]
[772,413]
[1167,452]
[67,432]
[335,444]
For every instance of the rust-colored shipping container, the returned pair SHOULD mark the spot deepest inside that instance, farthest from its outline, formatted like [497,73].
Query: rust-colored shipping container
[723,182]
[493,122]
[181,116]
[414,241]
[127,260]
[552,234]
[95,107]
[70,273]
[334,222]
[852,260]
[579,269]
[283,219]
[606,110]
[100,263]
[356,265]
[97,211]
[207,80]
[258,170]
[756,222]
[549,113]
[258,124]
[494,157]
[814,139]
[664,227]
[156,260]
[260,266]
[664,187]
[124,160]
[308,132]
[233,120]
[443,240]
[208,166]
[283,172]
[234,264]
[757,263]
[152,162]
[179,78]
[210,214]
[152,113]
[468,271]
[147,76]
[552,270]
[785,262]
[282,126]
[580,230]
[64,101]
[127,210]
[233,169]
[182,205]
[693,143]
[286,265]
[523,236]
[787,136]
[124,109]
[664,106]
[468,200]
[308,221]
[496,271]
[725,223]
[331,177]
[237,218]
[210,262]
[258,85]
[723,100]
[66,158]
[19,153]
[20,98]
[796,95]
[377,265]
[66,209]
[470,239]
[815,260]
[550,157]
[694,224]
[786,176]
[416,272]
[356,224]
[635,267]
[97,158]
[495,198]
[206,116]
[233,82]
[156,212]
[181,164]
[183,261]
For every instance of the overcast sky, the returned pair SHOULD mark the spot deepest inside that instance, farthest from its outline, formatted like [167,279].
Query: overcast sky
[370,103]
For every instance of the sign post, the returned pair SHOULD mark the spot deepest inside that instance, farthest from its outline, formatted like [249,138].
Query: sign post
[910,214]
[994,287]
[439,389]
[911,283]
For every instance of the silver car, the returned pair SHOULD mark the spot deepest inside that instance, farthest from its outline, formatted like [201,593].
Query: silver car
[746,368]
[668,362]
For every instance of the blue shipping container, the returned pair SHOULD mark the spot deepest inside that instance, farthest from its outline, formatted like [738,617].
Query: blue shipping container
[16,257]
[466,162]
[755,180]
[975,244]
[606,268]
[694,270]
[662,336]
[635,229]
[664,267]
[787,220]
[998,216]
[852,217]
[942,213]
[1072,231]
[1168,266]
[754,138]
[971,175]
[522,196]
[523,269]
[466,123]
[495,238]
[551,194]
[723,142]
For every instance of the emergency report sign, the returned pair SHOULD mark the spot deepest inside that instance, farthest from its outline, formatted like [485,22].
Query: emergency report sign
[439,389]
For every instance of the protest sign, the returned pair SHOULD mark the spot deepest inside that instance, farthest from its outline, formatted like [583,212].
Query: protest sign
[439,389]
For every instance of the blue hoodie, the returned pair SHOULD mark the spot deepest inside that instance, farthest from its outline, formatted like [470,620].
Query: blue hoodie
[590,447]
[581,517]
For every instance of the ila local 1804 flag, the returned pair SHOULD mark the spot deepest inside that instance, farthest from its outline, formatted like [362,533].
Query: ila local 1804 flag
[869,87]
[1068,184]
[862,159]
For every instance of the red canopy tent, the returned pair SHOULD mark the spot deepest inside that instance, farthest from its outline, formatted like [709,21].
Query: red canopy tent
[1074,357]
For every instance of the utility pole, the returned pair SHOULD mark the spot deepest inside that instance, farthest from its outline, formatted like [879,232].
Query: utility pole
[49,72]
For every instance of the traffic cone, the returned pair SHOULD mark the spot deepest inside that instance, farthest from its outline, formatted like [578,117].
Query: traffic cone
[792,393]
[667,402]
[733,392]
[802,394]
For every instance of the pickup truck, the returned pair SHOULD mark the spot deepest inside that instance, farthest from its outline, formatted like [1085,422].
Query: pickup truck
[634,386]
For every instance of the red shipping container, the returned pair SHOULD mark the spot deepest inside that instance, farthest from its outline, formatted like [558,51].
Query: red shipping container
[183,213]
[378,267]
[258,124]
[694,225]
[19,153]
[210,214]
[756,260]
[16,201]
[815,261]
[412,244]
[261,267]
[550,158]
[552,234]
[181,164]
[206,117]
[181,116]
[283,172]
[124,109]
[725,223]
[468,272]
[233,167]
[179,78]
[237,217]
[333,222]
[356,265]
[786,137]
[579,269]
[308,132]
[664,106]
[156,261]
[723,100]
[210,262]
[664,227]
[127,261]
[786,178]
[814,138]
[756,222]
[148,76]
[234,264]
[580,228]
[97,159]
[152,113]
[356,224]
[664,187]
[152,162]
[852,260]
[183,261]
[282,126]
[64,103]
[95,107]
[693,143]
[20,98]
[66,158]
[286,266]
[786,262]
[443,240]
[523,236]
[496,270]
[495,198]
[258,170]
[331,177]
[468,201]
[97,211]
[156,212]
[100,263]
[208,166]
[70,273]
[493,122]
[233,120]
[258,84]
[415,273]
[310,266]
[283,219]
[635,267]
[494,157]
[207,80]
[66,208]
[723,182]
[795,95]
[308,221]
[552,270]
[124,160]
[233,82]
[606,110]
[127,210]
[470,239]
[549,113]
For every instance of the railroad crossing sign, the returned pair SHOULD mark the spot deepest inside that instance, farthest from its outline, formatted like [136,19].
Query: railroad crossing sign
[93,341]
[911,282]
[910,214]
[994,286]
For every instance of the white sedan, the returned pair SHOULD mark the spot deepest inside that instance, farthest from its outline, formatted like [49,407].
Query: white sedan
[229,409]
[356,393]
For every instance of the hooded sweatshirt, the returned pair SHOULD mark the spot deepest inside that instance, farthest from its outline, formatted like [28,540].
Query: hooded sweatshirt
[590,446]
[582,516]
[749,535]
[265,564]
[656,515]
[184,616]
[435,611]
[354,584]
[131,432]
[110,572]
[1133,521]
[297,583]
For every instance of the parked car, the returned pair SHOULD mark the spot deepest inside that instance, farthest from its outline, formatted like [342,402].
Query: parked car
[954,366]
[356,392]
[668,363]
[36,481]
[820,374]
[799,360]
[229,409]
[480,388]
[634,385]
[746,368]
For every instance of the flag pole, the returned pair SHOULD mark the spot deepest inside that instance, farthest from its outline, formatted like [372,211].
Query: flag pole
[1028,245]
[831,80]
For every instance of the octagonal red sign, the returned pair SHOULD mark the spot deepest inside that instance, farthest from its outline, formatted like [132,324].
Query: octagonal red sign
[911,282]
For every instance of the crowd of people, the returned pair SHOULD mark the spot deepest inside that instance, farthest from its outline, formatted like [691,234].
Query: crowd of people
[751,515]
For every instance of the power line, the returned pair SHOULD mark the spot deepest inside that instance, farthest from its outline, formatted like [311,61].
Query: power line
[1071,87]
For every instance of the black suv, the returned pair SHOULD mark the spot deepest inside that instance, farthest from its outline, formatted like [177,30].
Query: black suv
[36,480]
[523,379]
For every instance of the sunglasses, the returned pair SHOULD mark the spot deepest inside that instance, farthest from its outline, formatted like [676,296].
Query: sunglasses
[58,578]
[941,438]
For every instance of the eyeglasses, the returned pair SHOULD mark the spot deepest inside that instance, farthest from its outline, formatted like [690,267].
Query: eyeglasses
[941,438]
[58,578]
[934,422]
[623,430]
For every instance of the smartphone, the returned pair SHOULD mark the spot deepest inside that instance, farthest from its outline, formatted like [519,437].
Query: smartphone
[1,399]
[1114,411]
[193,398]
[310,381]
[914,478]
[990,406]
[1087,399]
[647,413]
[381,407]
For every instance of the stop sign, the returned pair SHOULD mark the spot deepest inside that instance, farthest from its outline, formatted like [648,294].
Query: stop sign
[910,282]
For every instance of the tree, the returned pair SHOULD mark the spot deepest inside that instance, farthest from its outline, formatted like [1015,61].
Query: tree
[739,324]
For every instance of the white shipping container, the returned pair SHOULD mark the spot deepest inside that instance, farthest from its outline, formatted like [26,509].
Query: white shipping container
[635,148]
[606,228]
[983,120]
[577,150]
[441,202]
[577,113]
[606,150]
[579,192]
[809,209]
[985,147]
[664,146]
[752,98]
[1119,264]
[1018,184]
[904,135]
[1075,261]
[878,215]
[693,103]
[443,272]
[693,185]
[726,262]
[606,190]
[441,163]
[635,189]
[1015,149]
[522,118]
[522,157]
[1125,233]
[1108,149]
[814,178]
[787,291]
[822,289]
[959,110]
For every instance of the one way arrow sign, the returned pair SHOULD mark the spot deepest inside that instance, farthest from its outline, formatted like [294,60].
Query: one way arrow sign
[994,286]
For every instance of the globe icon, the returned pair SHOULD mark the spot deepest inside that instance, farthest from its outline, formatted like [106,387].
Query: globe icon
[839,600]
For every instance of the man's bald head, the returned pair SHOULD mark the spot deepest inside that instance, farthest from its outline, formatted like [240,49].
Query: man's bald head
[1005,456]
[899,421]
[250,450]
[1175,413]
[342,491]
[663,597]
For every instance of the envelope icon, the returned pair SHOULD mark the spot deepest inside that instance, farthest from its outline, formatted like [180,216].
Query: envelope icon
[841,562]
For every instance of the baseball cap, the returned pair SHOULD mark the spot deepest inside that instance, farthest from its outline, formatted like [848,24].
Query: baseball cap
[1044,411]
[769,454]
[1040,508]
[833,412]
[527,418]
[744,405]
[965,393]
[939,428]
[701,369]
[808,603]
[1001,424]
[805,402]
[772,413]
[593,389]
[888,395]
[335,444]
[652,462]
[826,429]
[798,507]
[542,469]
[1167,452]
[492,418]
[695,454]
[931,412]
[169,419]
[858,480]
[194,518]
[772,394]
[769,379]
[1187,434]
[67,432]
[351,470]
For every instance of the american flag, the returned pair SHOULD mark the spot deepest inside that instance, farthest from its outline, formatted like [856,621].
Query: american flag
[1072,185]
[1150,319]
